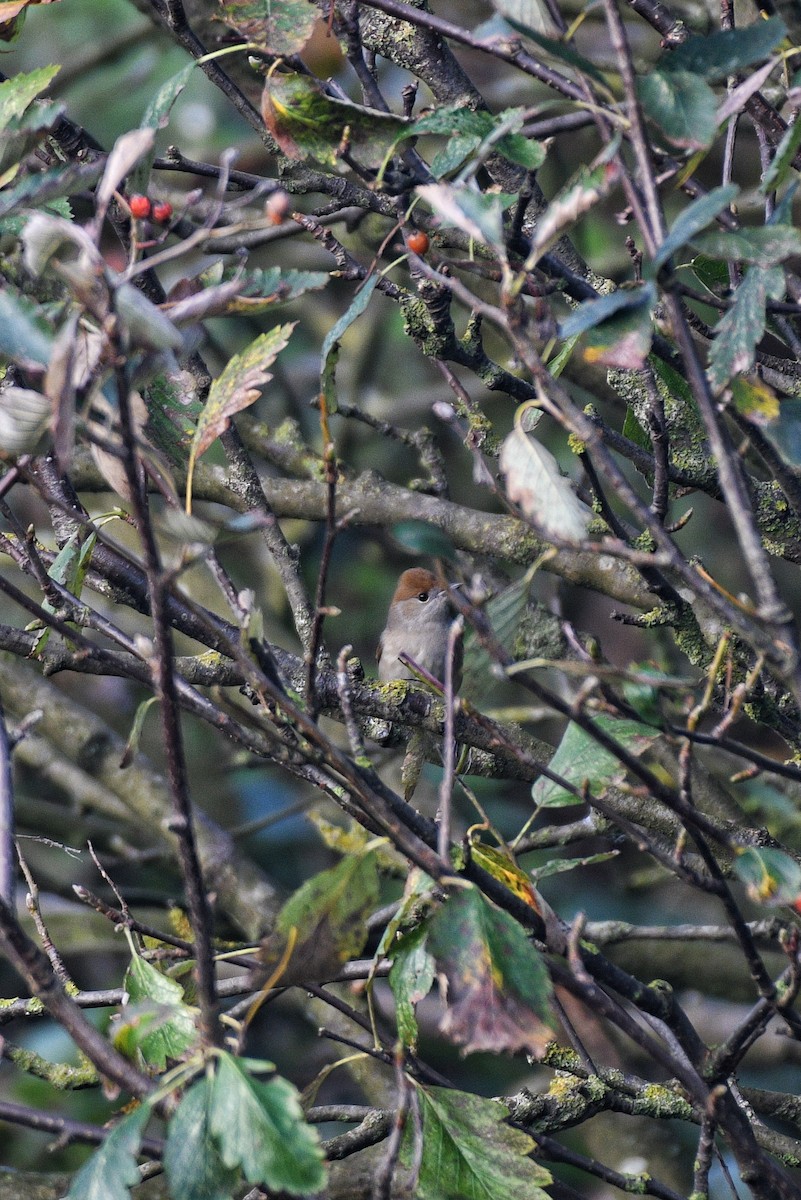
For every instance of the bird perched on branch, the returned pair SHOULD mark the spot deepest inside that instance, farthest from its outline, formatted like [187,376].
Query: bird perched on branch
[419,618]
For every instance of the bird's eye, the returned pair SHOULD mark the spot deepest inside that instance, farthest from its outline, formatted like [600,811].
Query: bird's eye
[422,596]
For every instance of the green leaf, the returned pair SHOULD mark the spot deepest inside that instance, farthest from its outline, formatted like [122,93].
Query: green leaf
[238,386]
[633,430]
[692,220]
[260,1128]
[557,866]
[504,613]
[469,1152]
[156,116]
[785,432]
[330,350]
[25,336]
[593,312]
[681,105]
[499,990]
[765,246]
[50,187]
[192,1162]
[307,123]
[262,289]
[421,538]
[277,26]
[771,877]
[325,922]
[176,1032]
[112,1170]
[453,154]
[712,273]
[17,93]
[726,51]
[782,161]
[580,760]
[741,328]
[411,978]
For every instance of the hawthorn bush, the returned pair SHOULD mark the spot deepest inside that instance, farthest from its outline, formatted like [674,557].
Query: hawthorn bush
[294,296]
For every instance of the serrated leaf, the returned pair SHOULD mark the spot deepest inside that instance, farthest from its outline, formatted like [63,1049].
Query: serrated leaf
[306,122]
[741,328]
[49,187]
[260,1129]
[479,216]
[771,876]
[692,220]
[277,26]
[681,105]
[535,482]
[112,1170]
[469,1152]
[726,51]
[17,93]
[325,922]
[765,246]
[580,760]
[178,1033]
[499,990]
[330,350]
[192,1162]
[411,978]
[237,387]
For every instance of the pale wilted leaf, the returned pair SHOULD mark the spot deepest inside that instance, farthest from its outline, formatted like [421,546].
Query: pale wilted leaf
[24,418]
[480,217]
[126,153]
[236,388]
[534,481]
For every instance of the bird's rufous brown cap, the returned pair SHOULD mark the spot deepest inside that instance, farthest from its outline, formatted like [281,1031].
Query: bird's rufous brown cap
[413,582]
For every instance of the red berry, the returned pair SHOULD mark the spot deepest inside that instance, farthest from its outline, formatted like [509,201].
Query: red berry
[162,212]
[418,242]
[140,206]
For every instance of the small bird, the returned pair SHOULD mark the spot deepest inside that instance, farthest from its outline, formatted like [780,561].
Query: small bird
[419,617]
